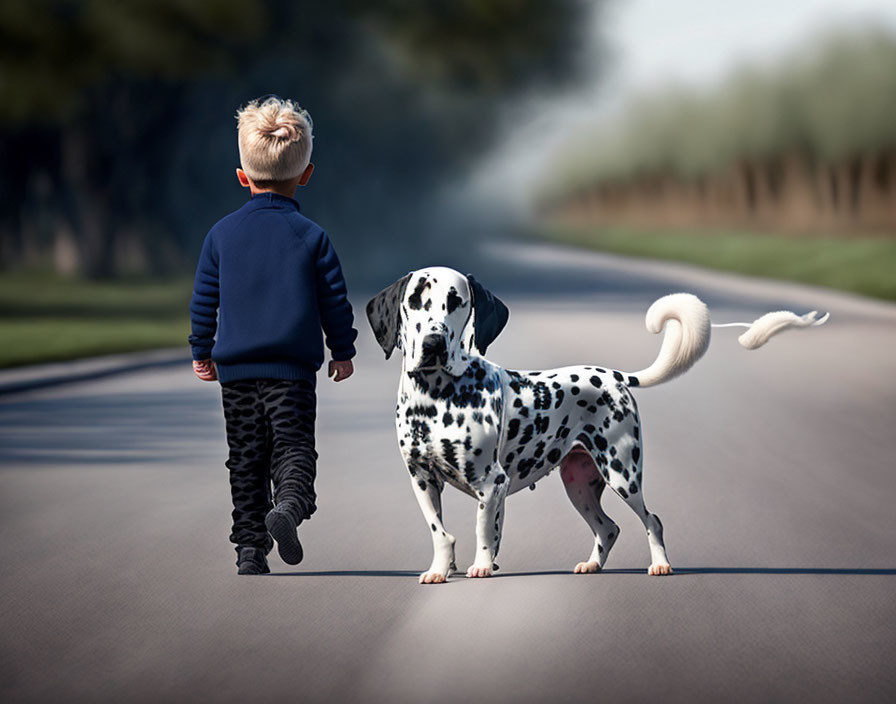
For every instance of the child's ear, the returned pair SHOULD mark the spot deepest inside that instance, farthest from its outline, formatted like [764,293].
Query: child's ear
[242,178]
[306,175]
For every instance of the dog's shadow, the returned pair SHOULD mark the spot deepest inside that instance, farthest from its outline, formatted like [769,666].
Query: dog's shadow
[679,572]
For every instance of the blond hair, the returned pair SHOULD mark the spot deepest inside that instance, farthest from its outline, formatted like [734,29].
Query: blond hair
[274,139]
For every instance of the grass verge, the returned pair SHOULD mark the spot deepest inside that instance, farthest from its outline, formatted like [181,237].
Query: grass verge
[864,265]
[45,318]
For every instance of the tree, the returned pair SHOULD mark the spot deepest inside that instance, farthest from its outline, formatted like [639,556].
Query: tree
[116,113]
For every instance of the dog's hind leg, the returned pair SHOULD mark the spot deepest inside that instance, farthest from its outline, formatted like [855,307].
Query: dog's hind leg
[584,487]
[625,479]
[429,496]
[659,562]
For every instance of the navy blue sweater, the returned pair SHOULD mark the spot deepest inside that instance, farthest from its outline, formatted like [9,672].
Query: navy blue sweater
[273,279]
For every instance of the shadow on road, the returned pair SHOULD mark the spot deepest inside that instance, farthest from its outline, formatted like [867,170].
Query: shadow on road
[679,571]
[350,573]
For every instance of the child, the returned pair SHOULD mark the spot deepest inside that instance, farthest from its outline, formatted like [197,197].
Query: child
[273,279]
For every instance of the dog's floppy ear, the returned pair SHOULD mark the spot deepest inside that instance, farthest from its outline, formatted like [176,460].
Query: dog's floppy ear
[489,315]
[383,314]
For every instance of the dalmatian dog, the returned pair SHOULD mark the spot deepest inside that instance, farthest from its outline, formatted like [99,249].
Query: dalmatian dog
[490,431]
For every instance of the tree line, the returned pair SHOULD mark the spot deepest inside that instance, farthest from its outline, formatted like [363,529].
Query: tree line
[805,144]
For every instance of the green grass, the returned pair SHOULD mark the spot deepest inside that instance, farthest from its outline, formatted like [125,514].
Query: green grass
[46,318]
[864,265]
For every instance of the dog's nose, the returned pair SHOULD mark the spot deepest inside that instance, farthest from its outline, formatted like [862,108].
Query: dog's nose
[434,349]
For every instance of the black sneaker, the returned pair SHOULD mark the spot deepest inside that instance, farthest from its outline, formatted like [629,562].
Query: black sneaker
[282,528]
[251,561]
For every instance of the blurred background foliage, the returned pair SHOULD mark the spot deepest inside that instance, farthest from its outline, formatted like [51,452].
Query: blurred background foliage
[805,143]
[118,137]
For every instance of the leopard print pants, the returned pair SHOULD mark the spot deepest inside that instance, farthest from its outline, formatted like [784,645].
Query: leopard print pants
[270,432]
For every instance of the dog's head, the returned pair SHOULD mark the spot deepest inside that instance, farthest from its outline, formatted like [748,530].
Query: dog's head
[437,317]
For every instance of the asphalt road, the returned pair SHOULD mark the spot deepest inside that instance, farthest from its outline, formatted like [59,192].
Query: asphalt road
[773,472]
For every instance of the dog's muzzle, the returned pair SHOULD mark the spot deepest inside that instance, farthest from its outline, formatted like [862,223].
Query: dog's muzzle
[434,351]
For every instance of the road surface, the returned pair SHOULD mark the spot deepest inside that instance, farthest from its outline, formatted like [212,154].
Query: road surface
[773,472]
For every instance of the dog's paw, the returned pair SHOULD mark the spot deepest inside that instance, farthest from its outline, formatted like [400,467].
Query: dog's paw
[659,569]
[476,571]
[586,568]
[432,578]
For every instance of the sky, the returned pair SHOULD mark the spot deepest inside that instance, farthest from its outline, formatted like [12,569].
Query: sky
[652,43]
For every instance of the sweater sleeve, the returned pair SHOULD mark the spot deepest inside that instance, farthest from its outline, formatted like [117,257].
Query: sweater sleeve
[335,310]
[204,304]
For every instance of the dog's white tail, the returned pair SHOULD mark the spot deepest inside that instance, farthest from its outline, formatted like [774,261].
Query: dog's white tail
[686,321]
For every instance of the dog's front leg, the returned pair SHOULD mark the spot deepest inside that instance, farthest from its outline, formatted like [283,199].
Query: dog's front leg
[489,519]
[429,495]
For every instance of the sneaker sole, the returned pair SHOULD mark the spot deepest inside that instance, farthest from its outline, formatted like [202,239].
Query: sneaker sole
[283,531]
[252,570]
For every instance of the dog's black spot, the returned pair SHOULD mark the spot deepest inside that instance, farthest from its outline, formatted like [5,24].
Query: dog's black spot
[542,396]
[633,381]
[525,466]
[596,382]
[415,301]
[636,453]
[447,419]
[541,423]
[449,453]
[554,455]
[419,430]
[617,376]
[574,391]
[428,411]
[500,479]
[453,300]
[513,427]
[633,488]
[573,377]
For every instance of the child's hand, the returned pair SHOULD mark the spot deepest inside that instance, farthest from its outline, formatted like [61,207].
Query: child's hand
[342,370]
[205,369]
